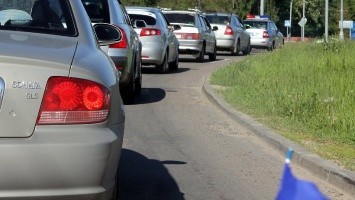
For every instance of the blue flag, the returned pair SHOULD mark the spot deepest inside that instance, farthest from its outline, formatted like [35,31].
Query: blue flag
[292,188]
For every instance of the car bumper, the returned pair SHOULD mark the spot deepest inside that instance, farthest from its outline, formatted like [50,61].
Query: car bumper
[225,43]
[260,43]
[190,46]
[73,163]
[152,53]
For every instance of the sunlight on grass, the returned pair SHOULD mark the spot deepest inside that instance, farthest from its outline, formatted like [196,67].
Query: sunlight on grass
[307,85]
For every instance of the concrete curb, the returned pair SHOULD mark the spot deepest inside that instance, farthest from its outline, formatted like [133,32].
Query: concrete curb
[325,170]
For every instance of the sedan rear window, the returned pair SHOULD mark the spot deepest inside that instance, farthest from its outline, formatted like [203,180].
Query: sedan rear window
[44,16]
[215,19]
[149,20]
[181,18]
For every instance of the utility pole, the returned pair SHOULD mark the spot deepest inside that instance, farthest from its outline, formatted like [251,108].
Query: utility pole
[289,36]
[341,35]
[326,21]
[261,7]
[303,17]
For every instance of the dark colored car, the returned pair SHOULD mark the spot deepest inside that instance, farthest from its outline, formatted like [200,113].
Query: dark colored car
[126,54]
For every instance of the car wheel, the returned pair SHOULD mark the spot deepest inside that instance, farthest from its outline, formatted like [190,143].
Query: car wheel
[163,67]
[175,64]
[138,82]
[128,92]
[201,56]
[271,48]
[247,50]
[236,49]
[212,56]
[116,188]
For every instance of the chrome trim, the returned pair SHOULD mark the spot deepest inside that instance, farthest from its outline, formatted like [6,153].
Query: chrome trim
[2,88]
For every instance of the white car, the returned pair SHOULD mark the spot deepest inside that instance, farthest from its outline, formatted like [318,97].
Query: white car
[61,114]
[263,32]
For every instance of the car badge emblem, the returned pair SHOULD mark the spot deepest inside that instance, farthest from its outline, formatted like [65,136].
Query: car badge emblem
[2,88]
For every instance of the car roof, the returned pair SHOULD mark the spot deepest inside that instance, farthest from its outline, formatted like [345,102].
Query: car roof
[141,8]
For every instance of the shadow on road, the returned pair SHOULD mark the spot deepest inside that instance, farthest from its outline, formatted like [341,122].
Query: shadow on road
[152,70]
[143,178]
[150,95]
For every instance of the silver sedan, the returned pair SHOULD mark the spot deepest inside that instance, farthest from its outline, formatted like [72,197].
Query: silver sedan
[160,47]
[61,113]
[264,33]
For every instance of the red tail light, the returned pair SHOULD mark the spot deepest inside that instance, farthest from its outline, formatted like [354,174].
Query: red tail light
[228,31]
[265,34]
[150,32]
[122,43]
[188,36]
[73,101]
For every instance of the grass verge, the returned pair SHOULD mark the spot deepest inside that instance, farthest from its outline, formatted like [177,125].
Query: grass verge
[304,92]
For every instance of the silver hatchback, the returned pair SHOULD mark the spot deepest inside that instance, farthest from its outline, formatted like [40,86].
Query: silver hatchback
[160,47]
[61,113]
[196,36]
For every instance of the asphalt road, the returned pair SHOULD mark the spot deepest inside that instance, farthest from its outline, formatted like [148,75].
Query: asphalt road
[179,145]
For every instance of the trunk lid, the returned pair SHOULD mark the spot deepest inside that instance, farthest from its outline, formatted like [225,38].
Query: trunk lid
[27,60]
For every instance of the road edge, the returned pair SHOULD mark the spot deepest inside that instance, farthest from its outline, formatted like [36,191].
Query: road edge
[323,169]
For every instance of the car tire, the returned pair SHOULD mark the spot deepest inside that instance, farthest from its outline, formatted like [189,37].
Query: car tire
[271,48]
[201,55]
[247,50]
[138,82]
[175,64]
[128,92]
[163,67]
[116,188]
[213,56]
[236,49]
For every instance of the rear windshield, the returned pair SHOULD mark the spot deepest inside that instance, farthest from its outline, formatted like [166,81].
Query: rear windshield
[256,24]
[217,19]
[97,10]
[182,18]
[44,16]
[148,18]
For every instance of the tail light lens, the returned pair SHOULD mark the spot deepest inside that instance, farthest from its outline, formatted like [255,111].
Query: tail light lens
[265,34]
[188,36]
[123,42]
[228,31]
[150,32]
[73,101]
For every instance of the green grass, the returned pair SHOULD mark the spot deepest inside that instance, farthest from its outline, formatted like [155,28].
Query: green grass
[304,91]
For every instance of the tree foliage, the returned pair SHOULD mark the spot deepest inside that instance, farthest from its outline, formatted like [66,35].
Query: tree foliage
[278,10]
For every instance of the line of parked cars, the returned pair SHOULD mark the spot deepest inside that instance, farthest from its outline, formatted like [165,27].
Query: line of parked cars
[66,70]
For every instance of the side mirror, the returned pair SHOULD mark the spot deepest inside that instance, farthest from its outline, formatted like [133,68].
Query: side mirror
[174,27]
[107,34]
[215,28]
[139,24]
[247,26]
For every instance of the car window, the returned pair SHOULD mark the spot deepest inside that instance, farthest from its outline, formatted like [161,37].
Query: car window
[207,24]
[97,10]
[218,19]
[183,18]
[148,17]
[44,16]
[163,20]
[273,26]
[257,24]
